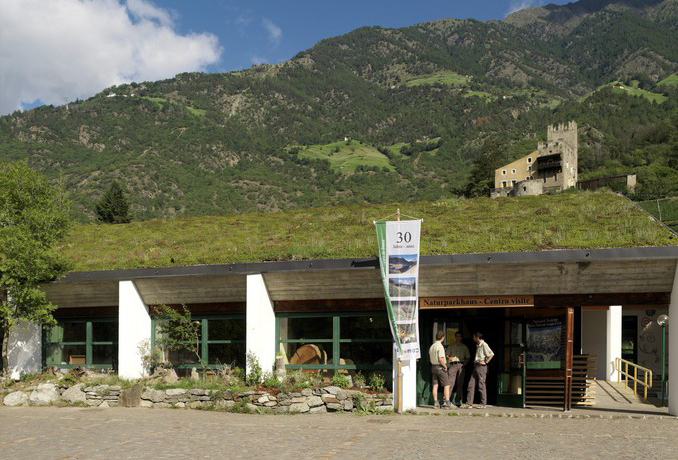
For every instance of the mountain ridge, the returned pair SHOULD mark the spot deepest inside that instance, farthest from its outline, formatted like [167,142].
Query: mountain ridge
[220,143]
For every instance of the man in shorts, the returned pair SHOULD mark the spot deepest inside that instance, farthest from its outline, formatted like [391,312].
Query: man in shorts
[439,374]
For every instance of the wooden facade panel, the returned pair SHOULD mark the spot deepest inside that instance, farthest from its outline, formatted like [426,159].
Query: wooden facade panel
[450,280]
[91,294]
[576,278]
[193,289]
[358,284]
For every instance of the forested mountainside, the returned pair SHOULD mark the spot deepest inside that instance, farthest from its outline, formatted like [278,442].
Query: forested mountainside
[377,115]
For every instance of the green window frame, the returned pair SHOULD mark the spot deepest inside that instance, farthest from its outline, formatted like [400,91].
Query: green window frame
[88,343]
[335,341]
[205,341]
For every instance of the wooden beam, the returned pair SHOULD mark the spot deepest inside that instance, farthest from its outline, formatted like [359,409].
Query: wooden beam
[596,300]
[329,305]
[569,351]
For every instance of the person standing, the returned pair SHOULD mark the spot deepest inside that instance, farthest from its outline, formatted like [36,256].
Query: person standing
[483,356]
[458,357]
[439,375]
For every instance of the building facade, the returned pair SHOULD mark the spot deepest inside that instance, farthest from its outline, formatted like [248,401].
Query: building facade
[329,316]
[552,167]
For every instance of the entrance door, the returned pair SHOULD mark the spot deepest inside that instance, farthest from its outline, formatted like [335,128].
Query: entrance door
[630,338]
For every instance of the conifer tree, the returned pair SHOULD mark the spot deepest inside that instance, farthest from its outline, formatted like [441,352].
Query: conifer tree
[113,207]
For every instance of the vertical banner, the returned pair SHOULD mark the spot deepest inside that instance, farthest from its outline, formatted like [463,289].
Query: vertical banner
[399,261]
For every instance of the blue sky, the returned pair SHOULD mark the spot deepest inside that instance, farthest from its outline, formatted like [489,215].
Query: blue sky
[57,51]
[274,31]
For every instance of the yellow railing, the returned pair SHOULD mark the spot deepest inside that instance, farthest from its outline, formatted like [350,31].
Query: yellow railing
[622,368]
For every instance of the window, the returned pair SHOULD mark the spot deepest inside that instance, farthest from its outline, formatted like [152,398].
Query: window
[222,341]
[82,342]
[527,178]
[529,159]
[503,183]
[529,168]
[513,171]
[513,183]
[504,172]
[338,341]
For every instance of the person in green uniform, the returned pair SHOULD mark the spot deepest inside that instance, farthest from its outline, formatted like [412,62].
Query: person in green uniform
[439,375]
[483,357]
[458,357]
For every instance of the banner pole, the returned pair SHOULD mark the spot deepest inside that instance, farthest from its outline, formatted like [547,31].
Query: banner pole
[400,362]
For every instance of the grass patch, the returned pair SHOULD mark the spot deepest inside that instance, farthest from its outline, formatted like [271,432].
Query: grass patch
[665,210]
[443,78]
[481,94]
[671,80]
[575,220]
[631,90]
[346,157]
[161,101]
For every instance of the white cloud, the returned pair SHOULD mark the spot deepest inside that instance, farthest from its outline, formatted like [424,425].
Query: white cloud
[517,5]
[60,50]
[274,32]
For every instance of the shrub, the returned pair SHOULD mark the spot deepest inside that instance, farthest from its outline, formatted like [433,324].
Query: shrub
[359,380]
[340,380]
[255,374]
[377,382]
[271,381]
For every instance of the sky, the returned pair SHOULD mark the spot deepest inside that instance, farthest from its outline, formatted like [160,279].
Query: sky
[56,51]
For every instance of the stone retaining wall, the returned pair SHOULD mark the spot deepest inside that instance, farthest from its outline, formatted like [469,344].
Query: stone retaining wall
[318,400]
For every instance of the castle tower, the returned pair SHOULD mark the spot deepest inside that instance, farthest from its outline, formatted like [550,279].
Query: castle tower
[564,132]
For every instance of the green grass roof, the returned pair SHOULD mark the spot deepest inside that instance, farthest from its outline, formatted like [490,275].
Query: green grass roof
[562,221]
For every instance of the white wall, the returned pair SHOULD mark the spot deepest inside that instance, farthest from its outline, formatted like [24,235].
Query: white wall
[594,338]
[673,344]
[614,340]
[409,369]
[134,329]
[25,349]
[260,323]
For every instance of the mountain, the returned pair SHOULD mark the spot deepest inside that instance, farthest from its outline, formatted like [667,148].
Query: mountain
[376,115]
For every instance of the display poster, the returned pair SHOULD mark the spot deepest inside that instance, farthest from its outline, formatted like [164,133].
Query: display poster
[544,343]
[399,262]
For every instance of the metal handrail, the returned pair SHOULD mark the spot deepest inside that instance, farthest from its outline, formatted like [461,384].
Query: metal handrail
[646,382]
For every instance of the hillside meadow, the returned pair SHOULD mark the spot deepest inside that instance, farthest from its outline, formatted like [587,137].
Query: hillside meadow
[562,221]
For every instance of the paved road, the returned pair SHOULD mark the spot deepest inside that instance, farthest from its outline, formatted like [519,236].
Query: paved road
[86,433]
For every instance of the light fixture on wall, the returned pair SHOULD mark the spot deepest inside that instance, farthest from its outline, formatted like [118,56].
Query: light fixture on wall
[663,321]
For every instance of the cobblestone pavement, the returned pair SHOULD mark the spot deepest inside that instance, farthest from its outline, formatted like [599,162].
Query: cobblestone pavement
[117,433]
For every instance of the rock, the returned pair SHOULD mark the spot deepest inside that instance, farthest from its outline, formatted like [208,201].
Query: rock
[201,392]
[341,395]
[227,394]
[335,406]
[317,410]
[332,390]
[348,404]
[171,376]
[44,394]
[329,399]
[104,405]
[194,374]
[282,409]
[384,408]
[93,402]
[175,392]
[245,394]
[263,399]
[307,392]
[131,397]
[74,394]
[271,404]
[314,401]
[299,400]
[194,404]
[153,395]
[225,405]
[180,405]
[15,398]
[299,407]
[144,403]
[251,407]
[161,405]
